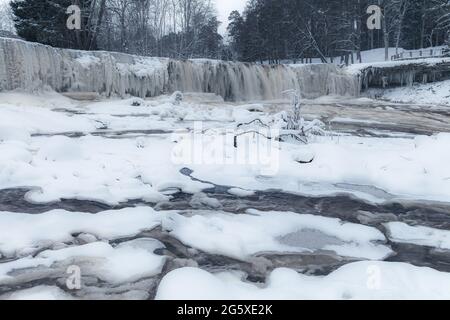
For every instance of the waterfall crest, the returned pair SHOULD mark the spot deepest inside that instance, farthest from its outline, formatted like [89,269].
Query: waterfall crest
[30,66]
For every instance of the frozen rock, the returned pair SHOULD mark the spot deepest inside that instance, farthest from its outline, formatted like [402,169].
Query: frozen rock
[85,238]
[200,200]
[241,192]
[176,98]
[304,155]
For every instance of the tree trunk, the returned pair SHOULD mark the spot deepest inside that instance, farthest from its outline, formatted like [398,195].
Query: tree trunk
[386,38]
[93,38]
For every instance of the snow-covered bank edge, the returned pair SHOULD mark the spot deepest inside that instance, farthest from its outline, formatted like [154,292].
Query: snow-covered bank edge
[355,281]
[437,93]
[406,73]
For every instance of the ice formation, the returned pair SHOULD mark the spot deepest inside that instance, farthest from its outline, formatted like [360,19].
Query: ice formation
[29,66]
[401,73]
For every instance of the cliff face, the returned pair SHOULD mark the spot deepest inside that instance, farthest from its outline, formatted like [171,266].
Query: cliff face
[29,66]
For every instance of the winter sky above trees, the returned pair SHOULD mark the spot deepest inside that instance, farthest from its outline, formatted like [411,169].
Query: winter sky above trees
[258,31]
[224,8]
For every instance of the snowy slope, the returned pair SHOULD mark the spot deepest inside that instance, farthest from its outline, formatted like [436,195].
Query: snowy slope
[431,93]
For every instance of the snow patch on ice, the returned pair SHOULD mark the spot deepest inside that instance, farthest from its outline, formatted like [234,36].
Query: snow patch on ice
[243,236]
[125,263]
[355,281]
[24,234]
[38,293]
[418,235]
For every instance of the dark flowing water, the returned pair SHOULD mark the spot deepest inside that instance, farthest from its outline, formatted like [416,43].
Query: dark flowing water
[344,207]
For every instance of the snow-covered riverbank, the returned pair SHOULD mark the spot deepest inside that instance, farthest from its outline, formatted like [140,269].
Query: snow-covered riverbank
[169,220]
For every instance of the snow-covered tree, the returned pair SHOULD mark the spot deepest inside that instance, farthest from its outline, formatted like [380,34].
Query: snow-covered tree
[6,17]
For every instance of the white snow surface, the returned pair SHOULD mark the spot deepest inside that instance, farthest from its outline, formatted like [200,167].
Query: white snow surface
[243,236]
[25,234]
[143,167]
[355,281]
[357,68]
[421,163]
[38,293]
[427,94]
[99,164]
[127,262]
[418,235]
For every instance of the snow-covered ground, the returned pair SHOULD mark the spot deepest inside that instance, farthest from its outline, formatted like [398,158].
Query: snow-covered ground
[430,93]
[151,198]
[358,281]
[379,55]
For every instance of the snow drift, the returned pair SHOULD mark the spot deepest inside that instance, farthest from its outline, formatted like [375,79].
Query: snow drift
[29,66]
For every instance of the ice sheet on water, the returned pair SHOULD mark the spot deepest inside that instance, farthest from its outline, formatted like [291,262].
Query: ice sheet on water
[241,192]
[94,168]
[24,234]
[20,113]
[104,167]
[143,166]
[125,263]
[243,236]
[419,235]
[406,168]
[38,293]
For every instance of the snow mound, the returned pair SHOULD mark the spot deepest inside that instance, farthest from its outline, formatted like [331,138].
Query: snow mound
[243,236]
[24,234]
[38,293]
[356,281]
[418,235]
[125,263]
[427,94]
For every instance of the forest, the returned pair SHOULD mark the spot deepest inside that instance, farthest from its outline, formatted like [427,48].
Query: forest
[168,28]
[273,30]
[267,31]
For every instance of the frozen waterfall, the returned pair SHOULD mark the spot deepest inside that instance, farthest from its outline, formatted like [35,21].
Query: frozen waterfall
[30,66]
[243,81]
